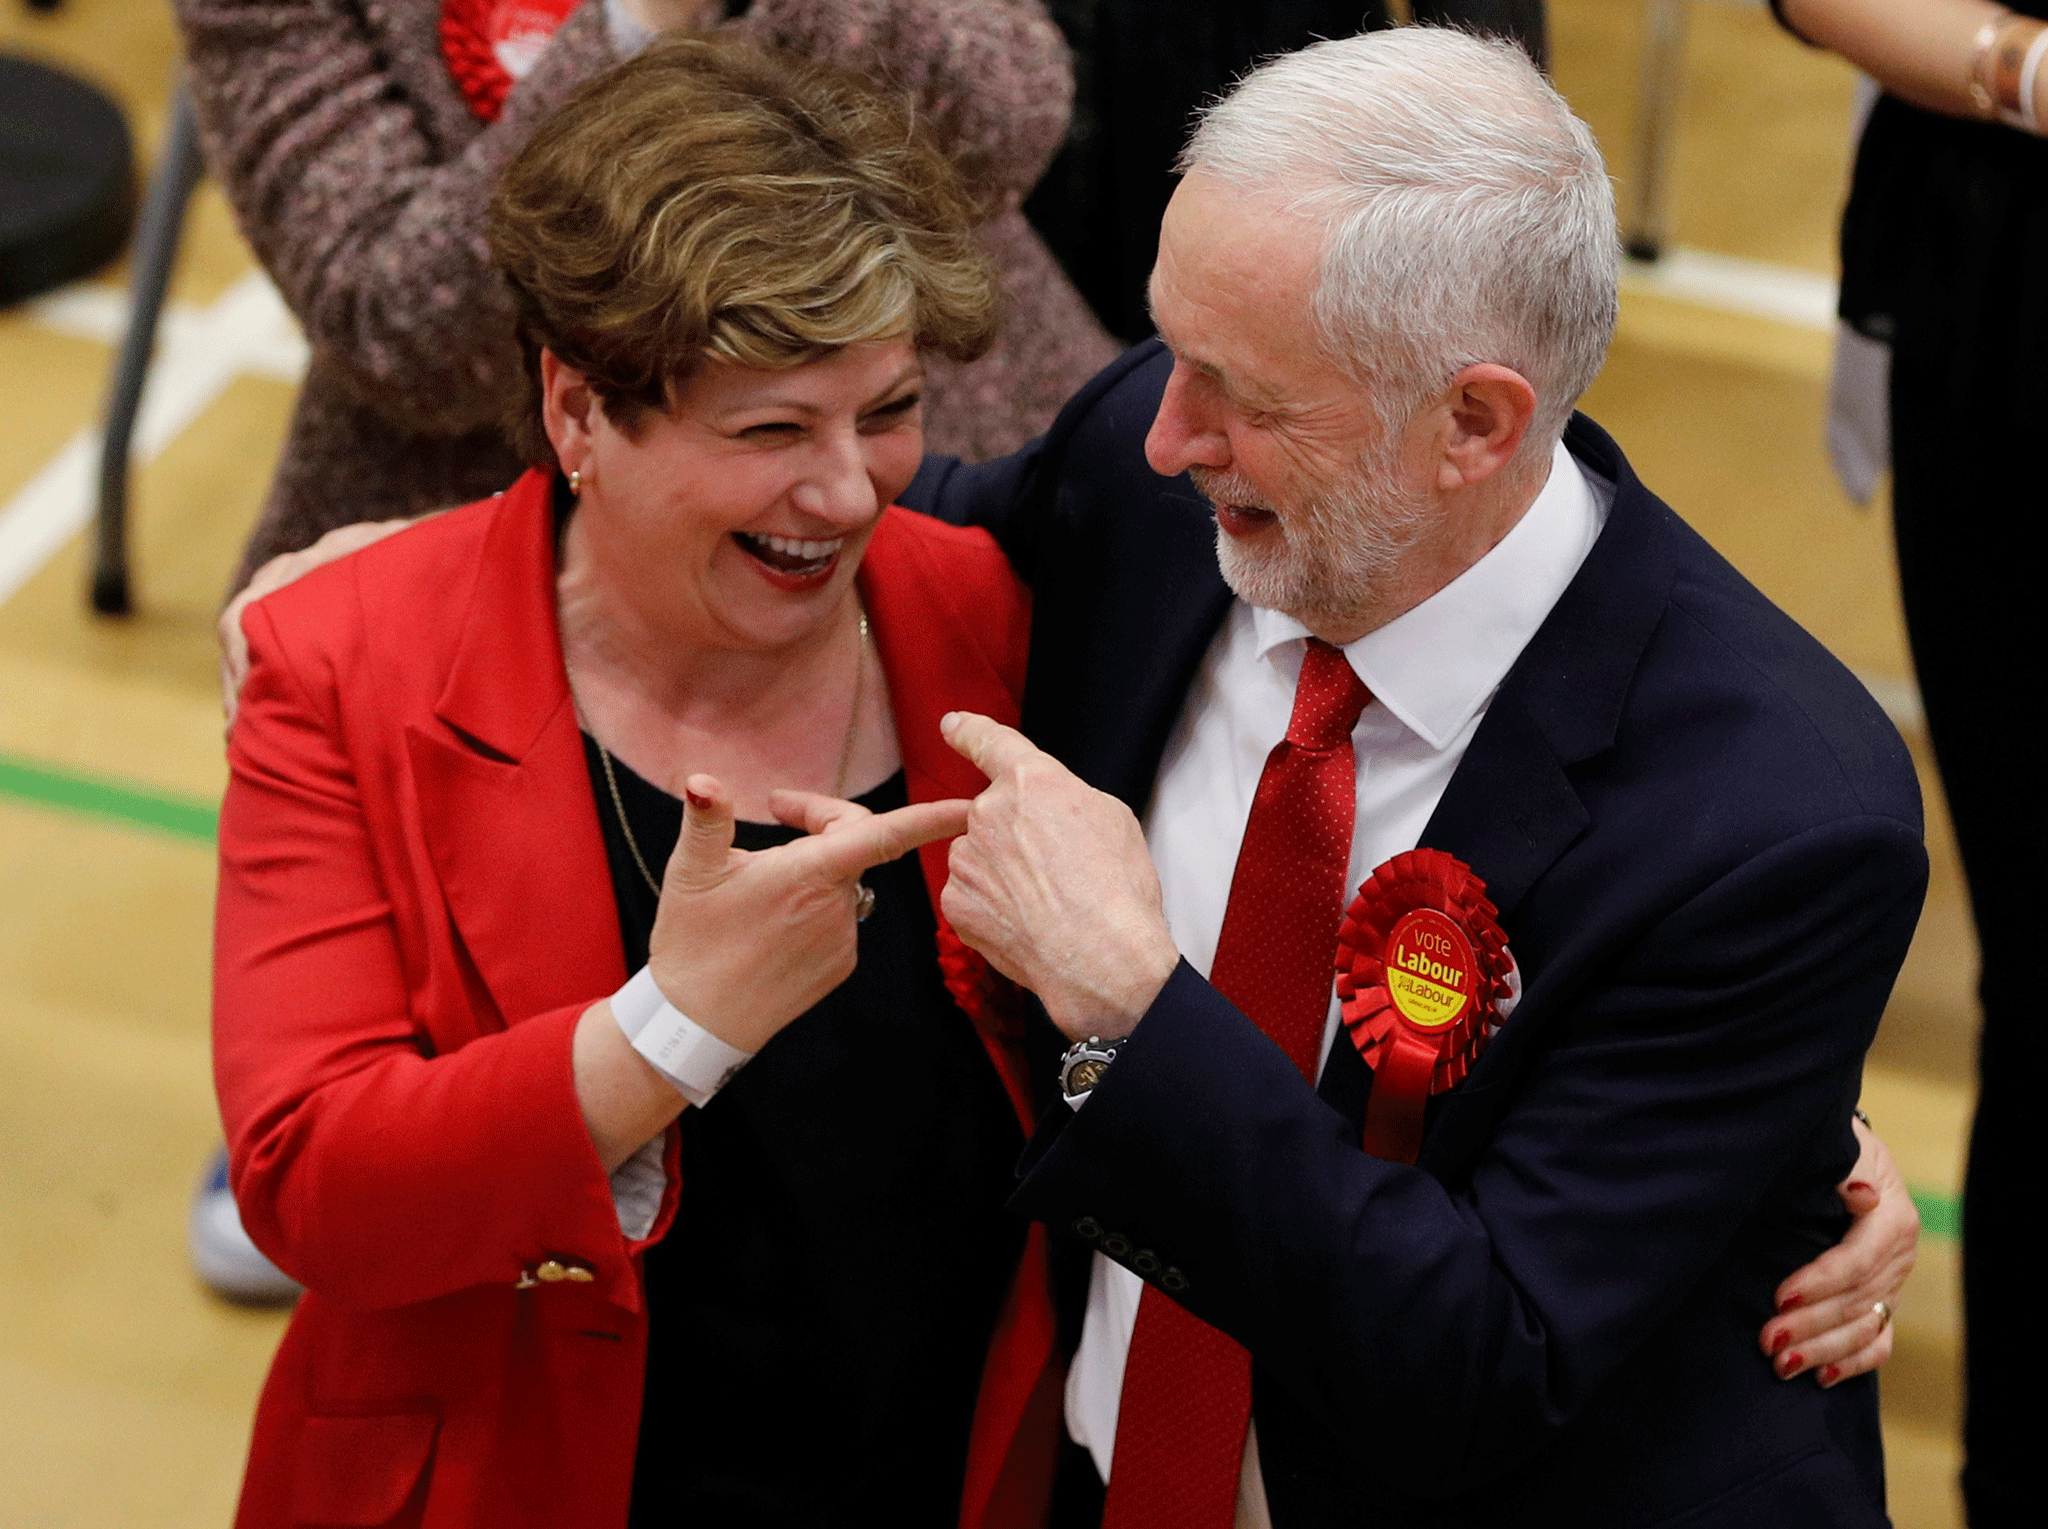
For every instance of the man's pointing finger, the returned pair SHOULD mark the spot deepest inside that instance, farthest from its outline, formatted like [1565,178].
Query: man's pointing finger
[991,747]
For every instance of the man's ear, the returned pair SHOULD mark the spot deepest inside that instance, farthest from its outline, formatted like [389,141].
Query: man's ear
[1489,409]
[568,411]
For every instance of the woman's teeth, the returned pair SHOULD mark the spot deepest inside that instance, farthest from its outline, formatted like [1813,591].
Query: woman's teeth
[789,554]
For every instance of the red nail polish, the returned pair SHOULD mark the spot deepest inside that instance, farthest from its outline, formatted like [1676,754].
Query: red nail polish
[1855,1184]
[1778,1343]
[701,803]
[1791,1301]
[1830,1374]
[1788,1366]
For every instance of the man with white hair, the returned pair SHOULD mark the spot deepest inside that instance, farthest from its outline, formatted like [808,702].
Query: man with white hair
[1483,1235]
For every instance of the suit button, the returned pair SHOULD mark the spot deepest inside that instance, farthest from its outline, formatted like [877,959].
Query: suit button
[1173,1282]
[552,1272]
[1088,1229]
[1146,1263]
[1117,1246]
[526,1281]
[580,1274]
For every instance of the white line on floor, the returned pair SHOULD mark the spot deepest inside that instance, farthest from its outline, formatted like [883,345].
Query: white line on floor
[246,331]
[1732,285]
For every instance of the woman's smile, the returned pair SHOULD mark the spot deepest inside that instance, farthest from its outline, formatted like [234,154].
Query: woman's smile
[791,564]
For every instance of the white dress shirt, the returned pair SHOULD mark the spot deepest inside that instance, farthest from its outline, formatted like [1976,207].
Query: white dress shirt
[1432,673]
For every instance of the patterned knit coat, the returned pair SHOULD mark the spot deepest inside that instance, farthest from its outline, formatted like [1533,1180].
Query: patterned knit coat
[360,175]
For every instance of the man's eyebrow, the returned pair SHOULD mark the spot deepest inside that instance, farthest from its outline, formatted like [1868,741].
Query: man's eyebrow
[1208,369]
[1242,391]
[1239,390]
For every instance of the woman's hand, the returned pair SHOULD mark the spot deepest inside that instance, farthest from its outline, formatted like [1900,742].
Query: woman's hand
[743,942]
[1828,1312]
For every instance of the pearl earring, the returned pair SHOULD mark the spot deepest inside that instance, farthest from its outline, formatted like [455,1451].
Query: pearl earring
[575,481]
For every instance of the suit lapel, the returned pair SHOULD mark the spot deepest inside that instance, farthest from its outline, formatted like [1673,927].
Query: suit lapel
[1511,809]
[503,791]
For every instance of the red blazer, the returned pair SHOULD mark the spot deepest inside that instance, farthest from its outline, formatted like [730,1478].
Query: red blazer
[415,909]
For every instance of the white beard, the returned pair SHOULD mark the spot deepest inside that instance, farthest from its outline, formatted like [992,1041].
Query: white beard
[1336,541]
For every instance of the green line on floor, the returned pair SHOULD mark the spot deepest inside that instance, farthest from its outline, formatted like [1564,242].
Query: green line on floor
[186,817]
[1940,1215]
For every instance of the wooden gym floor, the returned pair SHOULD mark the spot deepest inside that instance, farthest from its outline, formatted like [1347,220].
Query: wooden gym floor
[125,1390]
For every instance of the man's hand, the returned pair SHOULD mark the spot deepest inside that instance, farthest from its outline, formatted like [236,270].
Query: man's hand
[1053,884]
[270,578]
[1828,1318]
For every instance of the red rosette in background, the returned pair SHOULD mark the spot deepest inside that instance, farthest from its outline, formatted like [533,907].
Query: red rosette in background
[490,44]
[1422,967]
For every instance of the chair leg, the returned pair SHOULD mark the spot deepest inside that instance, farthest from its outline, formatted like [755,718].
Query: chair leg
[178,169]
[1643,224]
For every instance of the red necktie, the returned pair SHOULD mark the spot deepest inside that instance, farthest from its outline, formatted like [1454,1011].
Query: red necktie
[1187,1396]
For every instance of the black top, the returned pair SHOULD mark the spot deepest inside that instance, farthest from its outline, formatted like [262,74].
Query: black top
[820,1310]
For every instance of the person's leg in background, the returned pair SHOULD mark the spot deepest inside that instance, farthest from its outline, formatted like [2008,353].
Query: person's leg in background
[1966,497]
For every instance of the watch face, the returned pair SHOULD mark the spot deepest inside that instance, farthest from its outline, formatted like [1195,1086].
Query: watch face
[1085,1074]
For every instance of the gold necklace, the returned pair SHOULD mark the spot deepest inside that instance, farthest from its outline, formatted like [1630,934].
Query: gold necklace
[611,780]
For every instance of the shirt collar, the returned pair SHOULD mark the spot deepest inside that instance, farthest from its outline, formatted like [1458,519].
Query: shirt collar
[1436,666]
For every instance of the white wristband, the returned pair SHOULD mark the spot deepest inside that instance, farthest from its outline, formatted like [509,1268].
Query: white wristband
[2028,70]
[694,1060]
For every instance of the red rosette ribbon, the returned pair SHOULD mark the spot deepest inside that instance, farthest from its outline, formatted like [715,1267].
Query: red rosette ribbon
[490,44]
[1422,970]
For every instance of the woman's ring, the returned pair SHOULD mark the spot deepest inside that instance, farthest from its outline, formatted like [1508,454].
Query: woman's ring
[864,904]
[1884,1314]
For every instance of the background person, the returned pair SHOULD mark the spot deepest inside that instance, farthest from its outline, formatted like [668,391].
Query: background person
[442,847]
[1942,260]
[358,146]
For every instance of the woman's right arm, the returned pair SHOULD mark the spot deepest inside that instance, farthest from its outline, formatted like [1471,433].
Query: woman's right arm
[379,1160]
[1919,50]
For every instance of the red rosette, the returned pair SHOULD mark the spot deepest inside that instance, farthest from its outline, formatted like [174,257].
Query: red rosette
[988,997]
[490,44]
[1422,967]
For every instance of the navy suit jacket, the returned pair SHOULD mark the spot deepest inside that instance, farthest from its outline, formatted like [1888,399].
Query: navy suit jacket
[1704,840]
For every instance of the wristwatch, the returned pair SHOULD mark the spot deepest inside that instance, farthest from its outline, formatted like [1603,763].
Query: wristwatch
[1084,1064]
